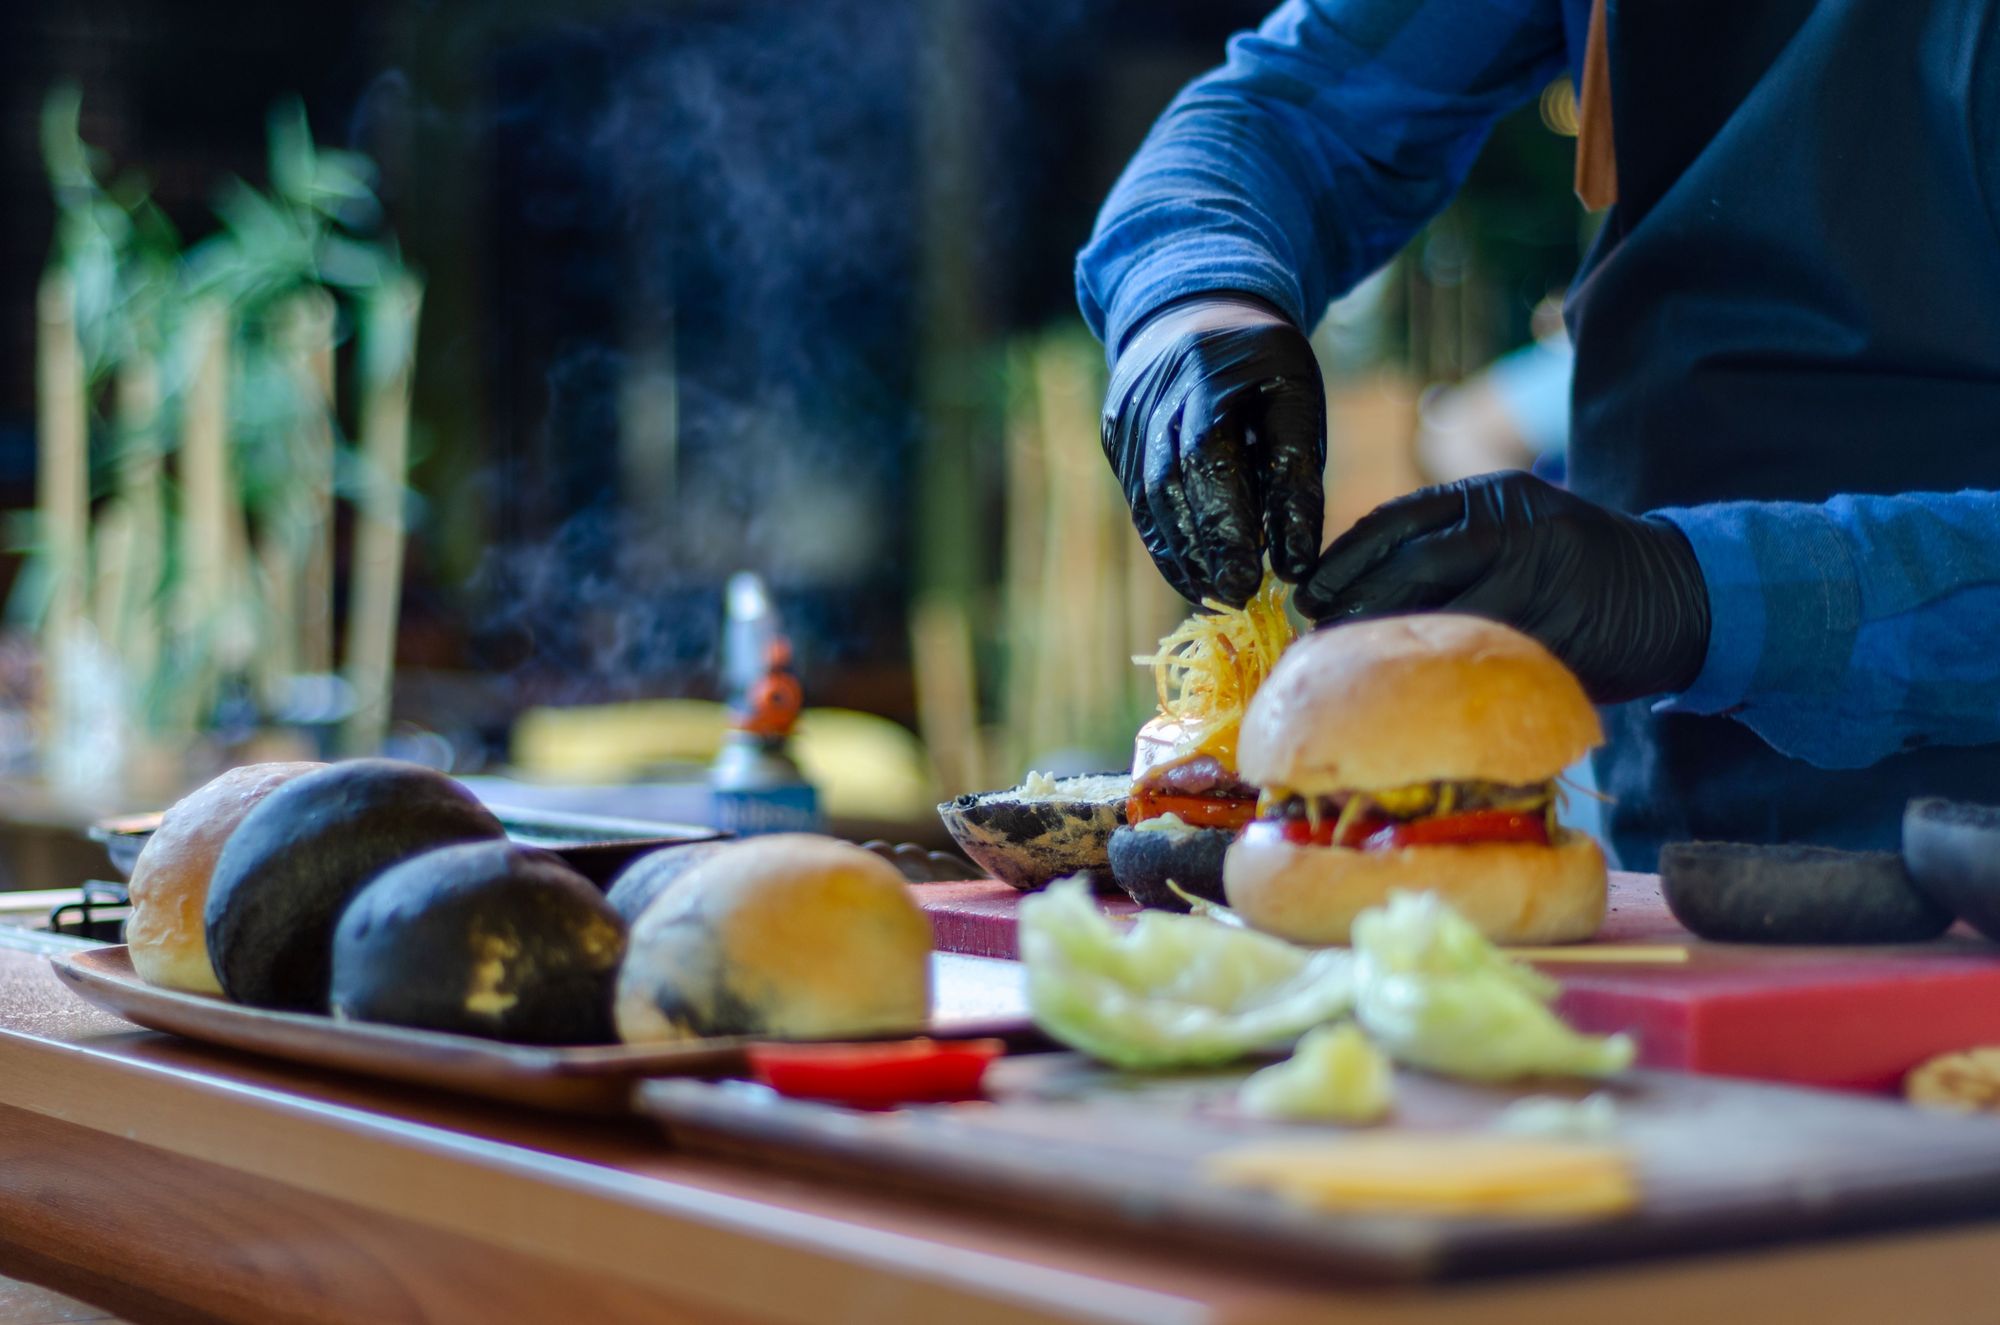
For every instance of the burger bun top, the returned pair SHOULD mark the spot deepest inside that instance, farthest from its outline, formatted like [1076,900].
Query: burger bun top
[1373,705]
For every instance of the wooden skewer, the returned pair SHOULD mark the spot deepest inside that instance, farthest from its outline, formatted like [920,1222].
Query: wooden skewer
[1623,954]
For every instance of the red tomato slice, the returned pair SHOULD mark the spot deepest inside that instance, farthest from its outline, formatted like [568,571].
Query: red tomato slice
[1374,834]
[1296,831]
[876,1076]
[1201,811]
[1462,830]
[1302,833]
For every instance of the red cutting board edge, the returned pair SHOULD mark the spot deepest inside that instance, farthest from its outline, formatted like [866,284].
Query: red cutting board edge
[1854,1018]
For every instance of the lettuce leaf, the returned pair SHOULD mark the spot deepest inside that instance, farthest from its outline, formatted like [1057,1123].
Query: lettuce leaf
[1171,990]
[1433,993]
[1335,1075]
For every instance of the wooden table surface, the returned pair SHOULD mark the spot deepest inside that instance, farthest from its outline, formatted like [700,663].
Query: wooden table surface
[168,1182]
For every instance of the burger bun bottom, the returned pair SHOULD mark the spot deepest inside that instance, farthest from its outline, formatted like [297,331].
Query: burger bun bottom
[1512,892]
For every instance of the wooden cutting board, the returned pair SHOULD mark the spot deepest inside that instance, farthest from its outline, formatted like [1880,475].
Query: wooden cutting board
[1722,1164]
[1855,1018]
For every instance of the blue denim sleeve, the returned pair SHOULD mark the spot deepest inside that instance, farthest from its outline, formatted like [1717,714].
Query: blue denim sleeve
[1846,632]
[1333,132]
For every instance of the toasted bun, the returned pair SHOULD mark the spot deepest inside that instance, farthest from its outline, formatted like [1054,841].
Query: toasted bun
[1404,700]
[789,936]
[1512,892]
[169,890]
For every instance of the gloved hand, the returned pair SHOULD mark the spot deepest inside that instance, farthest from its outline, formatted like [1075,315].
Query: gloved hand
[1619,598]
[1215,424]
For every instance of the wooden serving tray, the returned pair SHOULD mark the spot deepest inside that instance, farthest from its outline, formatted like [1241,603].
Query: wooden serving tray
[973,996]
[1722,1164]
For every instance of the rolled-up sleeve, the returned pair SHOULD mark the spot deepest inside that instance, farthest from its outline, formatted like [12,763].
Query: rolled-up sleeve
[1845,632]
[1333,132]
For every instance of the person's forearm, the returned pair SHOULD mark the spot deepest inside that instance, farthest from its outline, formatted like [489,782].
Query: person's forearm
[1332,134]
[1846,632]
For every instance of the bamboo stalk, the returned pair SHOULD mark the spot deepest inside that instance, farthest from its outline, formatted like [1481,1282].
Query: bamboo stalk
[63,488]
[1067,625]
[947,692]
[314,347]
[1022,572]
[388,361]
[208,509]
[130,623]
[277,659]
[111,555]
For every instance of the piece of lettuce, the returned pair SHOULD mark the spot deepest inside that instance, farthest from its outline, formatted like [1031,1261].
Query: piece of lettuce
[1433,993]
[1170,990]
[1335,1075]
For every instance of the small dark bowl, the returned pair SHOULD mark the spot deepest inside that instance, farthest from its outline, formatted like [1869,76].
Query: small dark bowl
[1028,841]
[1953,853]
[1143,860]
[1735,892]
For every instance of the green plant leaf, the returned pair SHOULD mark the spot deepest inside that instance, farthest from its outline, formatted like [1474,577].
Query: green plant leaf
[292,157]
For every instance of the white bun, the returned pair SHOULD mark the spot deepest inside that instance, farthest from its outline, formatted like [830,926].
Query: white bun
[169,888]
[1512,892]
[1404,700]
[792,936]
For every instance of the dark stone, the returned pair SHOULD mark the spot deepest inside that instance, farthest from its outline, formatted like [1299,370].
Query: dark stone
[1742,893]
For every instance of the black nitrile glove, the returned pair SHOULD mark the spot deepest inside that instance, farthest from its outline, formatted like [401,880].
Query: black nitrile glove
[1215,424]
[1619,598]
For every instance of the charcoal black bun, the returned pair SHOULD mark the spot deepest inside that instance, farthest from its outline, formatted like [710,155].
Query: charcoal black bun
[488,938]
[653,873]
[1142,860]
[1953,853]
[296,860]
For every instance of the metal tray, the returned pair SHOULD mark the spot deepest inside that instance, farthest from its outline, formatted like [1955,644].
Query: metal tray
[596,847]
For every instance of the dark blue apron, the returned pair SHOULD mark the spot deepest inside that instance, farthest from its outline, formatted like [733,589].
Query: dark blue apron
[1796,295]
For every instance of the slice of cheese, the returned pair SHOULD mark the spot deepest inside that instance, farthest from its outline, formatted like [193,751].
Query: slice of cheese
[1164,742]
[1437,1174]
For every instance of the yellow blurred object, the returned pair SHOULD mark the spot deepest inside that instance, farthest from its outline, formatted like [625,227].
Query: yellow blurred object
[866,767]
[1966,1082]
[616,742]
[1438,1173]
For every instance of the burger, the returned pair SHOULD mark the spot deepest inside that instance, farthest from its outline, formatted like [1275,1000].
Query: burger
[1418,753]
[1188,799]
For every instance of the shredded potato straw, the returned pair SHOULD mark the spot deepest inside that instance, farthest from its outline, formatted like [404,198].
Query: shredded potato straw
[1208,668]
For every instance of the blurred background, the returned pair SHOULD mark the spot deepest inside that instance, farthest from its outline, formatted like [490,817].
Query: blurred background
[416,376]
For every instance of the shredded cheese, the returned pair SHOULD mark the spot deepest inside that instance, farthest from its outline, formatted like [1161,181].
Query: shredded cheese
[1208,668]
[1039,786]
